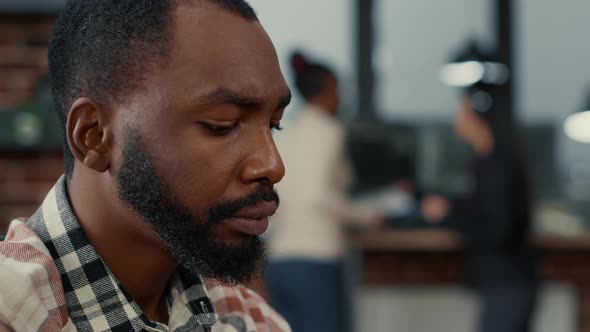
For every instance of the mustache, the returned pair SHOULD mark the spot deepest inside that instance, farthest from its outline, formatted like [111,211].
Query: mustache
[228,209]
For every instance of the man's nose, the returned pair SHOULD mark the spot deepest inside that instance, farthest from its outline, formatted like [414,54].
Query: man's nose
[264,163]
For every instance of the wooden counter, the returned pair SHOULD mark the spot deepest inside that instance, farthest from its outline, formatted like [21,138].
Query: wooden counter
[442,240]
[434,257]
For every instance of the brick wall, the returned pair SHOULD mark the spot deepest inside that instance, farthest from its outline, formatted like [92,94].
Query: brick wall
[25,179]
[23,56]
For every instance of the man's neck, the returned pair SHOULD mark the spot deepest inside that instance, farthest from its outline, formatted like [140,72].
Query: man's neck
[126,244]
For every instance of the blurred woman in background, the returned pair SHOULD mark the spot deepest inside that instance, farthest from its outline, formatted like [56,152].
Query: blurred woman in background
[305,278]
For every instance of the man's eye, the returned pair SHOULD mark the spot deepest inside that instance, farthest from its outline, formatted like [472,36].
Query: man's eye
[219,130]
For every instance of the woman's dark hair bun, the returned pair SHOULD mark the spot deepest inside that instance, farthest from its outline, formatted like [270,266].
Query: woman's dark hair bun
[310,77]
[298,62]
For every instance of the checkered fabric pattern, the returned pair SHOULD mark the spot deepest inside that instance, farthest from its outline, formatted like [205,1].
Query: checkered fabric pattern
[235,301]
[54,280]
[31,296]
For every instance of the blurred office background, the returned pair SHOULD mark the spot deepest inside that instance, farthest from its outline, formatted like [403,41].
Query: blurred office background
[388,55]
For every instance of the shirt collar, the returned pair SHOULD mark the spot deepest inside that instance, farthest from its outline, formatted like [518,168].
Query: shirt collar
[96,300]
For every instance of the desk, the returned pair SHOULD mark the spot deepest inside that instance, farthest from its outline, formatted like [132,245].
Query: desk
[434,257]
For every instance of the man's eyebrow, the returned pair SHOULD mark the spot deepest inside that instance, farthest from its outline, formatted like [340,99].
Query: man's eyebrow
[224,95]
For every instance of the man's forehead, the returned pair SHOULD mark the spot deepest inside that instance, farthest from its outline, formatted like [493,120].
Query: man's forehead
[216,55]
[213,48]
[212,27]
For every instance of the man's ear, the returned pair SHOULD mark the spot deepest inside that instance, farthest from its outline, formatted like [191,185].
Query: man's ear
[88,132]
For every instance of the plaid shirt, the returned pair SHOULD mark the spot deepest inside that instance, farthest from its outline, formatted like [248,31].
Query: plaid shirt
[54,280]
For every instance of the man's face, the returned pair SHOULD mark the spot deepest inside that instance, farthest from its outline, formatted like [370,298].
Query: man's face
[198,160]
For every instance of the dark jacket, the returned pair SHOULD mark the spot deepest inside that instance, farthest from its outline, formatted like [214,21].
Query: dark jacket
[494,221]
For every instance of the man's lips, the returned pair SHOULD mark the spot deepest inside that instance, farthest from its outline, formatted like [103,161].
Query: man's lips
[253,220]
[262,210]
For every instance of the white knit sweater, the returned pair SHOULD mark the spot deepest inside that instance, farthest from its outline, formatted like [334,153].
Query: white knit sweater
[314,205]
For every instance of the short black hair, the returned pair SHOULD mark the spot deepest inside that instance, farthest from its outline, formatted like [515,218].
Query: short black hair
[103,48]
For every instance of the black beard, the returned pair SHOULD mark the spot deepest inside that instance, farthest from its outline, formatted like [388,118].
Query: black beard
[188,236]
